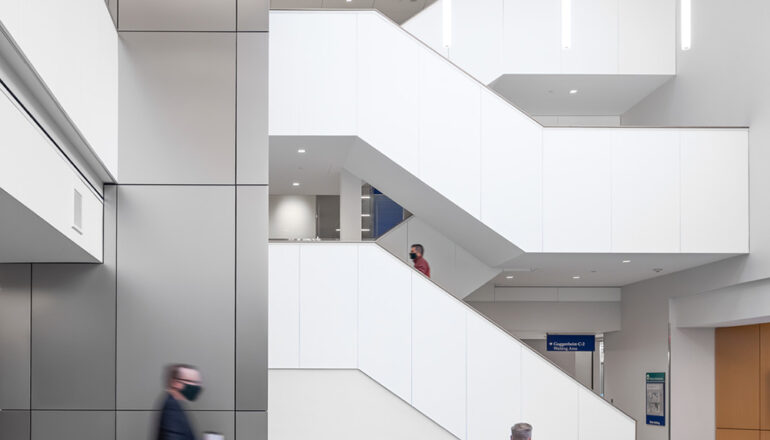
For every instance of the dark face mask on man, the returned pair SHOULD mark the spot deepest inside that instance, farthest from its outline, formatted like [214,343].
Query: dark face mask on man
[413,255]
[190,391]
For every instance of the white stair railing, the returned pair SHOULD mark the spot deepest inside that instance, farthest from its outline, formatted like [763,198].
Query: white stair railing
[354,305]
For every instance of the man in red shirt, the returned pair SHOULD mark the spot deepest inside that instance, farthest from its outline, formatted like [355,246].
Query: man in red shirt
[420,263]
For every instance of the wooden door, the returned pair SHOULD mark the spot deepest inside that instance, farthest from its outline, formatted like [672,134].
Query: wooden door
[764,377]
[738,434]
[737,363]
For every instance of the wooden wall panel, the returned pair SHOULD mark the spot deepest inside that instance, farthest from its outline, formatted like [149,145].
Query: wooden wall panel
[737,377]
[738,434]
[764,378]
[764,435]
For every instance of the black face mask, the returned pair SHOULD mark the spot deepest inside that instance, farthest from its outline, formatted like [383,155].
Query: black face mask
[412,255]
[191,392]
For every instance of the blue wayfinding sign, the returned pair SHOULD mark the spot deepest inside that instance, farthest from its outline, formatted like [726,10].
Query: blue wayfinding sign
[571,342]
[656,399]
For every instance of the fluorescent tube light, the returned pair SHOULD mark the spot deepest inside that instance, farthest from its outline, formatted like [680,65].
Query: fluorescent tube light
[566,24]
[686,24]
[447,22]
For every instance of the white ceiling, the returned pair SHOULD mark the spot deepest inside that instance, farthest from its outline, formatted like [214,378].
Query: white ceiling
[597,95]
[398,10]
[317,170]
[596,270]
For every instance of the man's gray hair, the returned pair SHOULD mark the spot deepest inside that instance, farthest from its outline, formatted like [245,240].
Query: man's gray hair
[521,431]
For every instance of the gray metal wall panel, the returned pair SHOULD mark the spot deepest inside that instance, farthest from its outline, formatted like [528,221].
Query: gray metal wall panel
[177,15]
[14,425]
[73,328]
[253,15]
[177,108]
[14,335]
[139,425]
[251,426]
[251,299]
[252,136]
[176,290]
[73,425]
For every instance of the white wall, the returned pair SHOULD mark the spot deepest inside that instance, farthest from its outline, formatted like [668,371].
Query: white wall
[726,59]
[576,364]
[600,186]
[79,64]
[495,37]
[421,343]
[36,173]
[292,216]
[451,266]
[539,318]
[545,190]
[341,405]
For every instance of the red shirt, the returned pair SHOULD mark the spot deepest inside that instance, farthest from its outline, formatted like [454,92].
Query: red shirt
[422,265]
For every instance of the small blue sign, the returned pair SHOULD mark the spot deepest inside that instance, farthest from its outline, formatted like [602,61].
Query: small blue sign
[656,399]
[571,342]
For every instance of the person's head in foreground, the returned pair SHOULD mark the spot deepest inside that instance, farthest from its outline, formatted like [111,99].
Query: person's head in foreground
[521,431]
[184,382]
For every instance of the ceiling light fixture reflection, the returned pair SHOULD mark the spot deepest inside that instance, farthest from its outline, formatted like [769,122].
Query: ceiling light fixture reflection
[685,14]
[366,197]
[573,92]
[366,215]
[295,184]
[509,277]
[576,277]
[625,261]
[301,151]
[566,24]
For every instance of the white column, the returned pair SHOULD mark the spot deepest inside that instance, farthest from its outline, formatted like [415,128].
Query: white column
[350,207]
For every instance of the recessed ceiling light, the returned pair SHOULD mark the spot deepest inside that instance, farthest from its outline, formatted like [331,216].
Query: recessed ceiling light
[509,277]
[295,184]
[366,230]
[301,151]
[366,197]
[573,92]
[625,261]
[576,277]
[366,215]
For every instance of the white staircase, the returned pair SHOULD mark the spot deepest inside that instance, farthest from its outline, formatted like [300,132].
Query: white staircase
[483,173]
[355,306]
